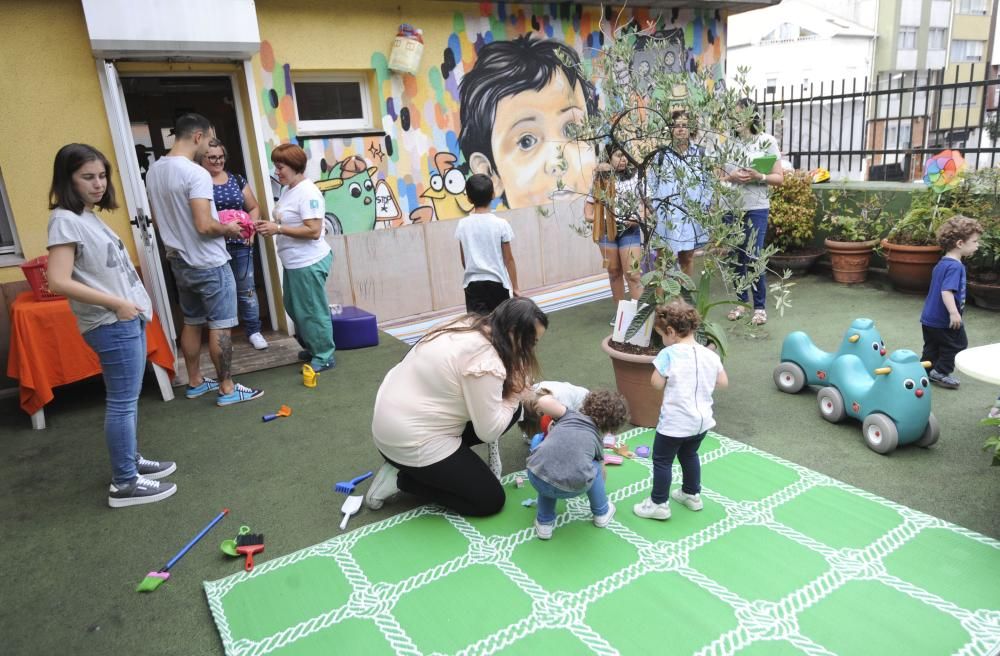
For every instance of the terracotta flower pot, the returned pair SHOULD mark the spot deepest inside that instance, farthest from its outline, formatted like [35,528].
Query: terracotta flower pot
[910,267]
[850,259]
[985,295]
[632,374]
[798,262]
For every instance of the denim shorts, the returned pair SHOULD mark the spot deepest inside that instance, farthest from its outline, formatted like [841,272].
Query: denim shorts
[628,239]
[206,295]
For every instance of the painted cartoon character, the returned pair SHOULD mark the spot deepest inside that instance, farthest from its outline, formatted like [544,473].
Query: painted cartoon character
[803,363]
[447,192]
[349,191]
[893,401]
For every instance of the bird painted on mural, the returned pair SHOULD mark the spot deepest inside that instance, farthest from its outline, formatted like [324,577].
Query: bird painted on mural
[447,191]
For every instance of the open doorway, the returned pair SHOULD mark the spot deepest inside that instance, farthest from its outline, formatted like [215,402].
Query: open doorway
[153,104]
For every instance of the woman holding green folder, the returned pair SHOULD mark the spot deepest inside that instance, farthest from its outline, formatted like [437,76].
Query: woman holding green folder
[760,166]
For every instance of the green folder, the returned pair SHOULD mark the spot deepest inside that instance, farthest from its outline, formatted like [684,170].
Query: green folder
[764,164]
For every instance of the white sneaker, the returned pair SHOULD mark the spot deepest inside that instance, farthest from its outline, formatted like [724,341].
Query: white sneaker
[258,342]
[691,501]
[383,487]
[649,510]
[544,531]
[602,521]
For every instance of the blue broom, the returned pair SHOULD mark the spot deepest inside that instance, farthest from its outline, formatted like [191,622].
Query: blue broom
[154,580]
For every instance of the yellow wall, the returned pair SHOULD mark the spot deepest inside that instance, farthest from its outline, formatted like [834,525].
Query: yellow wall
[973,28]
[52,97]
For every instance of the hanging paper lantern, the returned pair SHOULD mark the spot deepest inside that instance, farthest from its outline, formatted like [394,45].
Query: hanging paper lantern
[941,172]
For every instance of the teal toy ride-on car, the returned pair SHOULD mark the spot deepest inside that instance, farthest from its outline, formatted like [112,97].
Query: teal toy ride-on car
[803,363]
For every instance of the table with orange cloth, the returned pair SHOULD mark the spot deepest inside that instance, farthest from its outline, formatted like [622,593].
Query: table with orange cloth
[47,350]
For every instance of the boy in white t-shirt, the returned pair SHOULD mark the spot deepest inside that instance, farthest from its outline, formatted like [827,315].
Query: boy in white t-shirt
[688,373]
[484,245]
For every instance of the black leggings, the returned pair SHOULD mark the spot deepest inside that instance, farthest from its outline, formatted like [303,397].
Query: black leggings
[462,482]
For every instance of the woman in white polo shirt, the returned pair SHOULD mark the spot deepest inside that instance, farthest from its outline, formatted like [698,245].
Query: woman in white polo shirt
[305,255]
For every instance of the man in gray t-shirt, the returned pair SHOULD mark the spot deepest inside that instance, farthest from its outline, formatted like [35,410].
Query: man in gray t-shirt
[180,194]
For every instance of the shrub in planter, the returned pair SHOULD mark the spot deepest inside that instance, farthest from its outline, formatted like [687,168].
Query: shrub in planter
[910,247]
[791,223]
[853,226]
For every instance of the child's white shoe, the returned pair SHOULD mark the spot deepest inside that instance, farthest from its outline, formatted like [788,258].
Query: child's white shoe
[601,521]
[649,510]
[690,501]
[544,531]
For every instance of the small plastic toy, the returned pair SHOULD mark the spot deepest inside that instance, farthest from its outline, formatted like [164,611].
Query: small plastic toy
[893,401]
[155,579]
[346,487]
[228,547]
[610,459]
[352,504]
[519,481]
[309,376]
[609,441]
[803,363]
[249,544]
[283,411]
[527,503]
[642,451]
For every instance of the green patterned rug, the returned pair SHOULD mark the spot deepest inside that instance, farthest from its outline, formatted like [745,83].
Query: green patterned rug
[781,560]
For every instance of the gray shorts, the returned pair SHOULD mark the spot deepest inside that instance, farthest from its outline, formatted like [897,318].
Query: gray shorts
[206,295]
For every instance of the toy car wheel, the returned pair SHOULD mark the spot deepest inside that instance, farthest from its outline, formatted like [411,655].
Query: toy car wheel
[880,433]
[831,405]
[789,377]
[931,433]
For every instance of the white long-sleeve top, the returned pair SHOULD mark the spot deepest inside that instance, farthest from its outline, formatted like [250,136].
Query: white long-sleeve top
[426,400]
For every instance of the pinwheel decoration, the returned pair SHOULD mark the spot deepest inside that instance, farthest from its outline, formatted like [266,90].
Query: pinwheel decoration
[941,172]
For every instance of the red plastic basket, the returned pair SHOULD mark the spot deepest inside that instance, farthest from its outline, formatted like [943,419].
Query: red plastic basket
[34,270]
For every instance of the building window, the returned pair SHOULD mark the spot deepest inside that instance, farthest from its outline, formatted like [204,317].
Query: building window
[328,103]
[937,38]
[972,7]
[772,85]
[959,97]
[8,238]
[907,38]
[902,133]
[963,50]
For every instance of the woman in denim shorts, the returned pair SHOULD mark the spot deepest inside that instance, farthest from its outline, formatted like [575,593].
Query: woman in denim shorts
[615,209]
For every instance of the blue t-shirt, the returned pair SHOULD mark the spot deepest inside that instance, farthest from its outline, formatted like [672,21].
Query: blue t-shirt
[949,275]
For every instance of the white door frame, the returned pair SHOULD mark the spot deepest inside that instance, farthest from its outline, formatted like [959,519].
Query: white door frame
[127,159]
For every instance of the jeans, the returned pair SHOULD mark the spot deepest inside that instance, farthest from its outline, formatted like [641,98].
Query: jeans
[754,220]
[205,295]
[547,495]
[685,449]
[121,348]
[246,293]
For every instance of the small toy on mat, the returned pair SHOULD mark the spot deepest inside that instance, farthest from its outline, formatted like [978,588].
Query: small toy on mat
[642,451]
[622,450]
[519,481]
[309,376]
[609,441]
[154,580]
[527,503]
[346,487]
[283,411]
[228,547]
[352,504]
[248,544]
[610,459]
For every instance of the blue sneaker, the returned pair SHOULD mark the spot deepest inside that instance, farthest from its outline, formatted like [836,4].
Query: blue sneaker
[207,385]
[239,394]
[331,363]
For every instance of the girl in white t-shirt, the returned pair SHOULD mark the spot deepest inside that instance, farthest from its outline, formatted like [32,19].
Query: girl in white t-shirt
[688,373]
[304,254]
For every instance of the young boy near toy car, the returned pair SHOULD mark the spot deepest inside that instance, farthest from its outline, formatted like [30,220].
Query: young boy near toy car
[570,461]
[688,373]
[941,319]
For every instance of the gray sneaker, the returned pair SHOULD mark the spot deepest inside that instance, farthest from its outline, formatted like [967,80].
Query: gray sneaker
[154,469]
[141,490]
[948,381]
[383,488]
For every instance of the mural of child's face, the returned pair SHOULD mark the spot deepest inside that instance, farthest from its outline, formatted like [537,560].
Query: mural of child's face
[533,147]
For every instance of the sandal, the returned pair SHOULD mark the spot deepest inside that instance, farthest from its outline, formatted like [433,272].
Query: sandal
[759,317]
[736,313]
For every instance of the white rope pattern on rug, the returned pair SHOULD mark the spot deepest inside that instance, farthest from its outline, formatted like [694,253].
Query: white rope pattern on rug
[757,620]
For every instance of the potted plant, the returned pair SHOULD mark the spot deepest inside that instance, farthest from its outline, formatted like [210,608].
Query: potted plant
[853,229]
[636,118]
[984,266]
[792,224]
[910,246]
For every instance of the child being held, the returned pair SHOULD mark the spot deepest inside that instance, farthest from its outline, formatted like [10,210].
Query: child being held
[941,319]
[570,461]
[688,373]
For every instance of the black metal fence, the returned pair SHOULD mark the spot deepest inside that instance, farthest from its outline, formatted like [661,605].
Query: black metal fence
[885,128]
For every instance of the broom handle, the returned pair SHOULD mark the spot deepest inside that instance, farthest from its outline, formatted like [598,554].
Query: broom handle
[187,547]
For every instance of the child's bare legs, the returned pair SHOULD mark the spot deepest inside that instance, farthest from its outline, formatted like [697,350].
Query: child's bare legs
[629,260]
[615,274]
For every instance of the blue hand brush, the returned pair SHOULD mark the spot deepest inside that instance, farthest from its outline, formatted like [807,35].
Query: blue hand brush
[346,487]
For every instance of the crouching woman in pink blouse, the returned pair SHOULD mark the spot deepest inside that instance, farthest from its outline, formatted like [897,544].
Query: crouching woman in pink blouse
[459,386]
